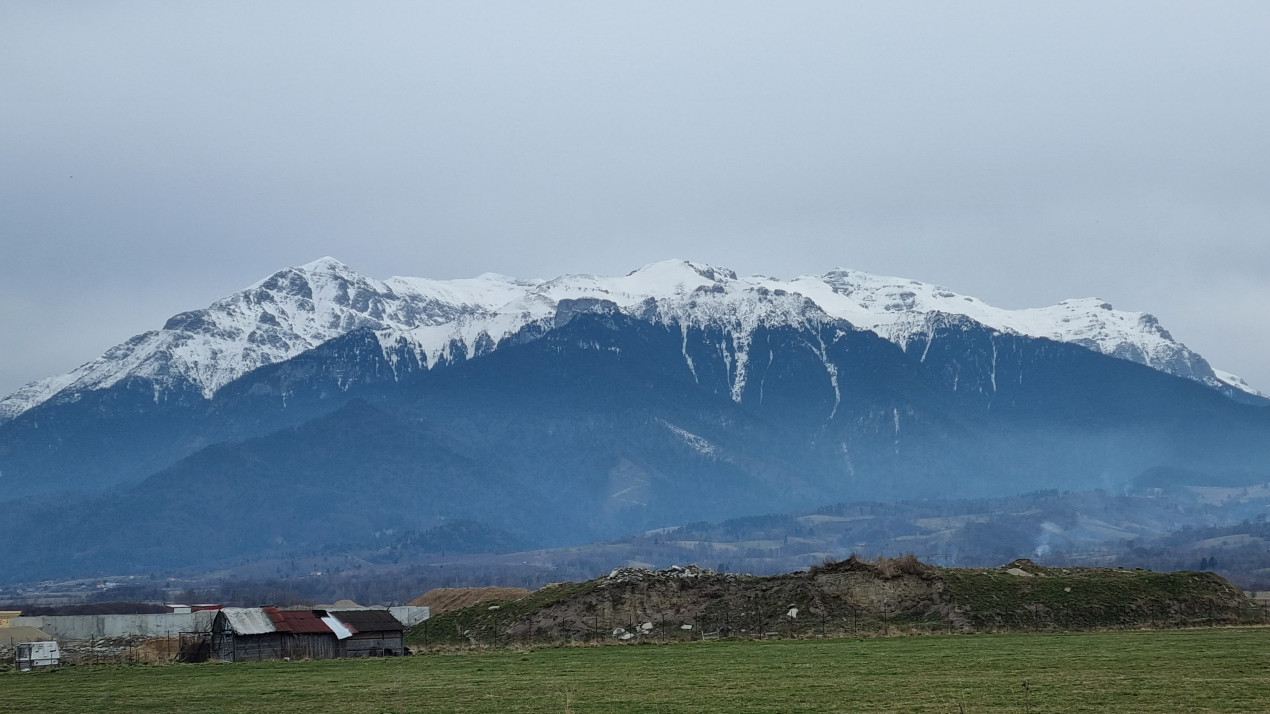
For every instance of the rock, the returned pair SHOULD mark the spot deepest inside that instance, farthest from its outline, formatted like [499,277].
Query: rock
[637,575]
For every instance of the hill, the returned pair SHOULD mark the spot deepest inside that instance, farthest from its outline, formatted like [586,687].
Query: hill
[843,597]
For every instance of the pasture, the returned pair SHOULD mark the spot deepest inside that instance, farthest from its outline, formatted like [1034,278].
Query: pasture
[1210,670]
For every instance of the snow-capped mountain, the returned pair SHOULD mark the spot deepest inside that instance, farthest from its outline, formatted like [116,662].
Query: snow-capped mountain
[898,309]
[586,407]
[198,352]
[279,317]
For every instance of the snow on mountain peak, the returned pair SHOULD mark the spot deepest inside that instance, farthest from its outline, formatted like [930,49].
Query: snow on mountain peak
[891,304]
[680,271]
[286,313]
[298,308]
[676,291]
[324,264]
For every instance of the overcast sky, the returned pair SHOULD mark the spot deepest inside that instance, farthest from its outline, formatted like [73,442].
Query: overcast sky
[155,156]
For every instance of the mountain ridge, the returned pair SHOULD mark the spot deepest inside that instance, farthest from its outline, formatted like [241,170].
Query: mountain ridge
[296,309]
[596,421]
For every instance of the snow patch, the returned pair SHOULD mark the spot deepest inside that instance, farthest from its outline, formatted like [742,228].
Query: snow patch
[697,443]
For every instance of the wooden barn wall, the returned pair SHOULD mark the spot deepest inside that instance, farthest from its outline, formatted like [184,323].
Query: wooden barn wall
[278,645]
[311,645]
[256,647]
[373,644]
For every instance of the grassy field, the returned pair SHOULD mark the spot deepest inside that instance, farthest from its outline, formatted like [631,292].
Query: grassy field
[1219,670]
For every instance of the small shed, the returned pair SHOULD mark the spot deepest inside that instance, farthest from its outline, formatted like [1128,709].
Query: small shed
[374,633]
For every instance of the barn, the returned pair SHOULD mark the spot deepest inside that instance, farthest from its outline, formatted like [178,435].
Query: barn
[253,633]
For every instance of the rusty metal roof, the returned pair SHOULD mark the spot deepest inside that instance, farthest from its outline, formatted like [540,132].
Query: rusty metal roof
[264,620]
[295,621]
[303,621]
[275,617]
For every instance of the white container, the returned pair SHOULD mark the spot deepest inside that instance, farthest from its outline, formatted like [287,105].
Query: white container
[36,655]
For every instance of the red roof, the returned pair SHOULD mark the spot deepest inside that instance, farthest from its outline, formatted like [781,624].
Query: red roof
[295,620]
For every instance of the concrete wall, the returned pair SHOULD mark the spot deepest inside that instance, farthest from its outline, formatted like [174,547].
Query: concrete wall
[410,615]
[88,627]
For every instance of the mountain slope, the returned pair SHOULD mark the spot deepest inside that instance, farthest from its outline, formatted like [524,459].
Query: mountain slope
[598,426]
[357,470]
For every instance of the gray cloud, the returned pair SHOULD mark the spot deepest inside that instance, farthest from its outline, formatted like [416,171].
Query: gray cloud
[159,155]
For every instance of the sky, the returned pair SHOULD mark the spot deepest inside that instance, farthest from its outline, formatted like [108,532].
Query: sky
[155,156]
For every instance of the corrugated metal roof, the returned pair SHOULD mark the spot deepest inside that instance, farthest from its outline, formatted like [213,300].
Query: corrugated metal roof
[275,616]
[303,621]
[248,620]
[369,620]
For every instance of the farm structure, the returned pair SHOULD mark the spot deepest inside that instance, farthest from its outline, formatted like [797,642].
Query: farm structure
[255,633]
[375,633]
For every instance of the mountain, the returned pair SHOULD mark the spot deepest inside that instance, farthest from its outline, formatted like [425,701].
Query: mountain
[319,407]
[152,400]
[198,352]
[293,310]
[604,421]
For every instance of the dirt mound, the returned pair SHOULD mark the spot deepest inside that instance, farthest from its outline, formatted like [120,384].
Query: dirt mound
[442,599]
[157,649]
[846,597]
[687,602]
[885,568]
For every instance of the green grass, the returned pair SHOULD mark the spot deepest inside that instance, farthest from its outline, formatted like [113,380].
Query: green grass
[1218,670]
[449,627]
[1093,598]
